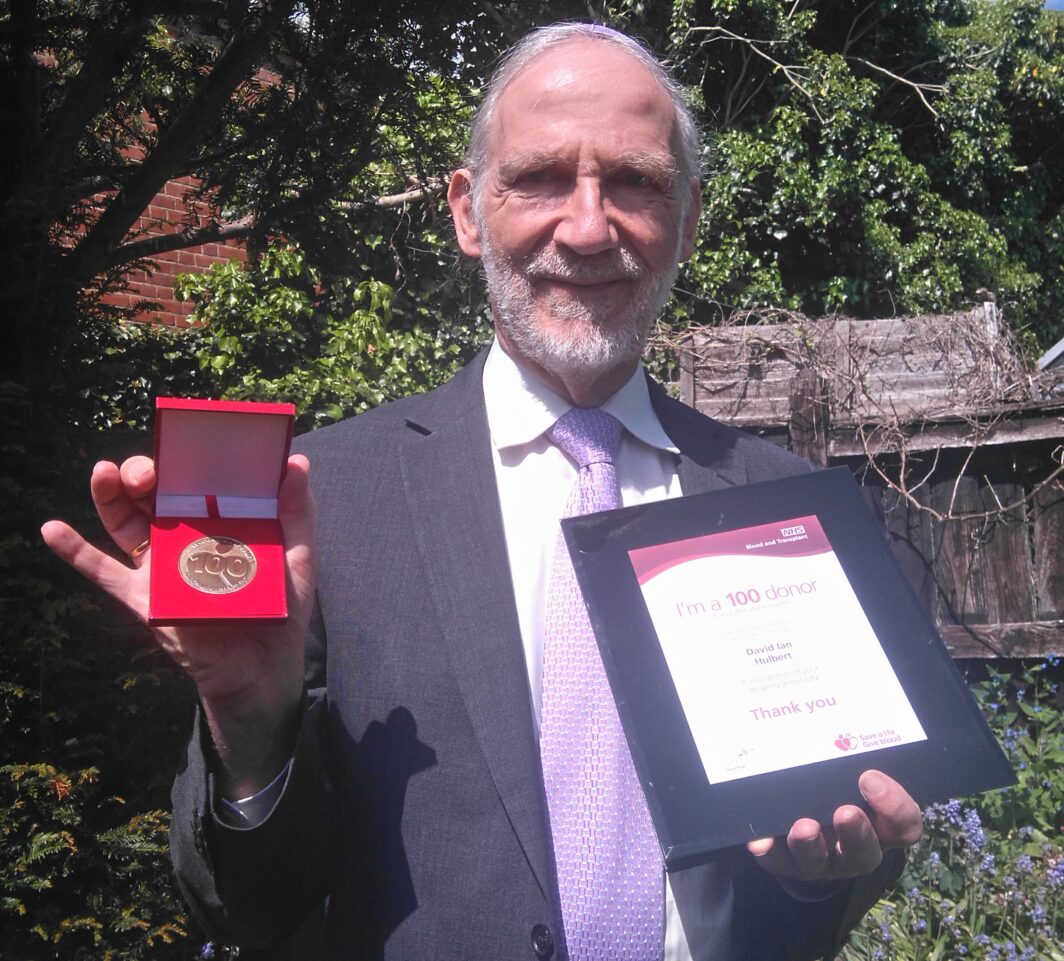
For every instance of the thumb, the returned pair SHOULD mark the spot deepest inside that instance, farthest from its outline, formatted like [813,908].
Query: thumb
[296,511]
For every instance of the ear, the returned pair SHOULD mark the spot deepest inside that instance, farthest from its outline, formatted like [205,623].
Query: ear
[460,200]
[689,228]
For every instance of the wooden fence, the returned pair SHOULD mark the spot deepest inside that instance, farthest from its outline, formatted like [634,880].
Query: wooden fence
[958,444]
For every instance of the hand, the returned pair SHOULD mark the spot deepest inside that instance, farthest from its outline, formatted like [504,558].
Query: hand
[249,678]
[855,842]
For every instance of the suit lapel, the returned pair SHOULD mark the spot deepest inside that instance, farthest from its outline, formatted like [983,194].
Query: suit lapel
[449,482]
[708,460]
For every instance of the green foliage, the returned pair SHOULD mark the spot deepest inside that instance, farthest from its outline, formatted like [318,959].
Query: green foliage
[272,330]
[877,159]
[92,719]
[71,887]
[987,880]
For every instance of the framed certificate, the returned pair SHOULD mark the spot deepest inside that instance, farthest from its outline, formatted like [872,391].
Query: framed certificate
[764,648]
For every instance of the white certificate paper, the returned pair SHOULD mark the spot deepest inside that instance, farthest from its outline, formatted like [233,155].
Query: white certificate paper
[772,657]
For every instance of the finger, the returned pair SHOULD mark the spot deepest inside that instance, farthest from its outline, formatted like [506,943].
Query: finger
[138,476]
[810,849]
[761,847]
[124,517]
[92,563]
[296,506]
[895,816]
[773,855]
[857,847]
[295,487]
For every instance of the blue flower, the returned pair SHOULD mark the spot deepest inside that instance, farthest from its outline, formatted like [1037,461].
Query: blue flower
[1024,863]
[987,864]
[972,829]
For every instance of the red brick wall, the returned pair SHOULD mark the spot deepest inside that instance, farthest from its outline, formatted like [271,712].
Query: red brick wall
[172,209]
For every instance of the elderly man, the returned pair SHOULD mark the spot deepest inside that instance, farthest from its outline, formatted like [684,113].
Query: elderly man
[449,777]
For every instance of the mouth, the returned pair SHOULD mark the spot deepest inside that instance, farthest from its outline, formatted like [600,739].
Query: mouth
[583,285]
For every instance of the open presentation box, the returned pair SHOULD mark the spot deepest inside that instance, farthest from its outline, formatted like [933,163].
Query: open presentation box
[217,552]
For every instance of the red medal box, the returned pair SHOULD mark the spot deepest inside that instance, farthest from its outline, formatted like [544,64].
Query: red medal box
[216,547]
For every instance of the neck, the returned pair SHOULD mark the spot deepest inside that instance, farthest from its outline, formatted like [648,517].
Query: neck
[577,387]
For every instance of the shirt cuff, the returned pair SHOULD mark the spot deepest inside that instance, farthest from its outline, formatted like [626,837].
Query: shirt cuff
[250,812]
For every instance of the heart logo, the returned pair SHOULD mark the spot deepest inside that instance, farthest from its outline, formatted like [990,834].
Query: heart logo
[845,742]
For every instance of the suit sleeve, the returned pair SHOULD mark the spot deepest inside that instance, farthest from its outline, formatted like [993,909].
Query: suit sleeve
[769,923]
[256,886]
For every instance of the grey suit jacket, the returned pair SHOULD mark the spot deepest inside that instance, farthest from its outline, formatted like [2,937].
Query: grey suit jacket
[415,804]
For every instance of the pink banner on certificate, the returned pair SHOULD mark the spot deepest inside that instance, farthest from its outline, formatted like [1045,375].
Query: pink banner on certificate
[797,537]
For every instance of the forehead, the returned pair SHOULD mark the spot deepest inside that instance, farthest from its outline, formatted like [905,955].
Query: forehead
[584,97]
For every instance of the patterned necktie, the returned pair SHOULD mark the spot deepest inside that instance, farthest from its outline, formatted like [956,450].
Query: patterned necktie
[609,863]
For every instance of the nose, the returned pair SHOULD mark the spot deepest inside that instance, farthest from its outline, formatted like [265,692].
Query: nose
[585,225]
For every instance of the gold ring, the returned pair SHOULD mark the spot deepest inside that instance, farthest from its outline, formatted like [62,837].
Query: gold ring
[140,548]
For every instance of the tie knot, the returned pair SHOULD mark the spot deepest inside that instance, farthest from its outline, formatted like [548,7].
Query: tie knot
[588,435]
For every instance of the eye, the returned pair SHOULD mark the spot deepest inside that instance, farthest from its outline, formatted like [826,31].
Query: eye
[635,178]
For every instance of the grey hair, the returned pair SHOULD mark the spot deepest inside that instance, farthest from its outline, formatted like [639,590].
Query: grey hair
[519,57]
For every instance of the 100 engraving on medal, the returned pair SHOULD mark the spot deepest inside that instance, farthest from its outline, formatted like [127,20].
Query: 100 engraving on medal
[217,565]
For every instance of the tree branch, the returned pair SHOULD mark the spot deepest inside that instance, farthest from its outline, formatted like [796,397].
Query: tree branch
[111,49]
[918,87]
[409,196]
[789,71]
[180,240]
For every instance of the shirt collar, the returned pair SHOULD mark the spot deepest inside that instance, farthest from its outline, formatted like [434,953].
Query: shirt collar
[521,407]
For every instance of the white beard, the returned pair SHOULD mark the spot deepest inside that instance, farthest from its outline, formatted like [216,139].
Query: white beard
[591,339]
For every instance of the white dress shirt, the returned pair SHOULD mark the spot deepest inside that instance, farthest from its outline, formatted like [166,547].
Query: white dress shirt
[534,479]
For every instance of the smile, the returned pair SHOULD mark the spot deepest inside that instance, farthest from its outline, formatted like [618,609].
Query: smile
[583,284]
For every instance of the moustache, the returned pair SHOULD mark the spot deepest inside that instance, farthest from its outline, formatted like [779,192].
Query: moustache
[551,264]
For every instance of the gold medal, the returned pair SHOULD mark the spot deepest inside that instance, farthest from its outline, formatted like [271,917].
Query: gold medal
[217,565]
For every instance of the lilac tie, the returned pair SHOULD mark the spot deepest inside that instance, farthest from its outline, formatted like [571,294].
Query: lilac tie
[609,863]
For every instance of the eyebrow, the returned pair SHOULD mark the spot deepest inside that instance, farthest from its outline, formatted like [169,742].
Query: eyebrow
[661,168]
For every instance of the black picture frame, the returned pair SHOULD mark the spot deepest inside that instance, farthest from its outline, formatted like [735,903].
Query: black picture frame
[696,820]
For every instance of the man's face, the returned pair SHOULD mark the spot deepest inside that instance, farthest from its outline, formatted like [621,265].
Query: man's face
[579,218]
